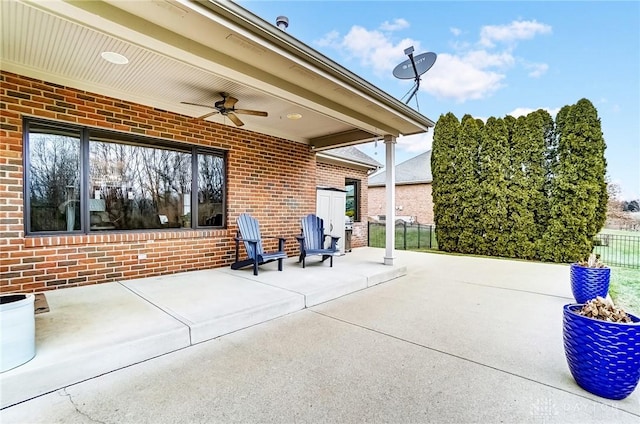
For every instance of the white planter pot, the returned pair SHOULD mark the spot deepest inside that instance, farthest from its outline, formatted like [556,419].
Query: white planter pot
[18,325]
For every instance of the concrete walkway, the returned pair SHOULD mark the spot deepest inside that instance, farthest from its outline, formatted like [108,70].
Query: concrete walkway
[456,339]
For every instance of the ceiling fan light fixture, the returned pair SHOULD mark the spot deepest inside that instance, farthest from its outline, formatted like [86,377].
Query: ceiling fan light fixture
[226,107]
[294,116]
[115,58]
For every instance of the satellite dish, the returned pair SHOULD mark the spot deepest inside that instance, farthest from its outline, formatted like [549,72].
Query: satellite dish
[423,62]
[413,67]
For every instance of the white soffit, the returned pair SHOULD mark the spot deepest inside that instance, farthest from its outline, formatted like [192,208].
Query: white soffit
[181,51]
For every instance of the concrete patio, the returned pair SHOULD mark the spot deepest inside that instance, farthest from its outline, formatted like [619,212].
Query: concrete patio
[445,339]
[96,329]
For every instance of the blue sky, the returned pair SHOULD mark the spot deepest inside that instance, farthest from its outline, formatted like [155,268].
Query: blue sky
[494,59]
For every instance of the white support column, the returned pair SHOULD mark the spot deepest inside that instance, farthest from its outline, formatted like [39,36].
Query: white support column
[390,187]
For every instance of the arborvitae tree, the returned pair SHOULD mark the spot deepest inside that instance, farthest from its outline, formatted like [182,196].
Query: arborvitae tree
[507,247]
[578,187]
[560,191]
[492,197]
[595,164]
[526,177]
[468,186]
[520,225]
[444,171]
[549,163]
[539,125]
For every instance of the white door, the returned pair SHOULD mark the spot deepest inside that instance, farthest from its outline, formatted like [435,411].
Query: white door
[330,206]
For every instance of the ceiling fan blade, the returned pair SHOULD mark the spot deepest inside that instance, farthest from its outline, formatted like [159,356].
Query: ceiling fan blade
[235,119]
[251,112]
[195,104]
[207,115]
[229,102]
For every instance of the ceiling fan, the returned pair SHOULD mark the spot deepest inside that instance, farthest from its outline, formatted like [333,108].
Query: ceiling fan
[226,107]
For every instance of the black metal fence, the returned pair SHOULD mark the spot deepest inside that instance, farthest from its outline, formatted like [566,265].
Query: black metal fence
[618,249]
[408,236]
[614,249]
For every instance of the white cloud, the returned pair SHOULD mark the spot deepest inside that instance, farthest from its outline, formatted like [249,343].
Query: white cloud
[520,111]
[418,143]
[516,30]
[406,147]
[482,59]
[396,25]
[524,111]
[330,39]
[466,73]
[455,78]
[536,70]
[460,45]
[372,48]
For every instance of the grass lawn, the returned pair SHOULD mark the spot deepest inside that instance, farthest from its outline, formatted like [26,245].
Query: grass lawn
[625,282]
[625,288]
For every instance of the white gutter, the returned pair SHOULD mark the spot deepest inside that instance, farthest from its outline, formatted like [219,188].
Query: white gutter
[347,161]
[321,64]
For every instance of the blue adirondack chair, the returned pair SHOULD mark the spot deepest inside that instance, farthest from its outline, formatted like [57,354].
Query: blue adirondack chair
[312,240]
[249,234]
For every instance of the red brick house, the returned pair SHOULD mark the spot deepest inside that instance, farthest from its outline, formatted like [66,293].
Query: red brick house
[413,190]
[122,158]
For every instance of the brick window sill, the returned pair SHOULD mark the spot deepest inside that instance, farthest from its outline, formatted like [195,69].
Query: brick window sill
[67,240]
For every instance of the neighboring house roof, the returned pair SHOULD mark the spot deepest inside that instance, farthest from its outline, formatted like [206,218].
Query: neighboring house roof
[182,55]
[416,170]
[349,156]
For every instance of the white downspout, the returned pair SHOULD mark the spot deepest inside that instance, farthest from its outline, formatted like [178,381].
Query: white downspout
[390,185]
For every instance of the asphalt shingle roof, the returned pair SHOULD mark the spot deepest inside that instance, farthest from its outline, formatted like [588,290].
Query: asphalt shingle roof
[353,154]
[412,171]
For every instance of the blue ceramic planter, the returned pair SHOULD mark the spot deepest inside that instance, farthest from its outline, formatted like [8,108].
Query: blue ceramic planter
[603,357]
[589,283]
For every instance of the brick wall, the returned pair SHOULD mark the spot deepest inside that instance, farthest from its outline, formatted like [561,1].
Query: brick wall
[332,175]
[415,200]
[271,178]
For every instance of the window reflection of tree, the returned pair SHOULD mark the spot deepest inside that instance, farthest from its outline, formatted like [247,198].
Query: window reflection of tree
[352,201]
[54,181]
[131,183]
[210,189]
[140,183]
[167,171]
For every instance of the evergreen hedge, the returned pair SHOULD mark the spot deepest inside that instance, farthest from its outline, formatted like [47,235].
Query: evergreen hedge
[526,188]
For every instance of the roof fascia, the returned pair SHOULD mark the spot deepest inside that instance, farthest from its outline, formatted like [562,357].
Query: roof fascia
[280,38]
[403,183]
[325,158]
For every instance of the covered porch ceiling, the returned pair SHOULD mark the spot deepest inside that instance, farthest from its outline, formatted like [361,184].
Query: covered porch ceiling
[191,51]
